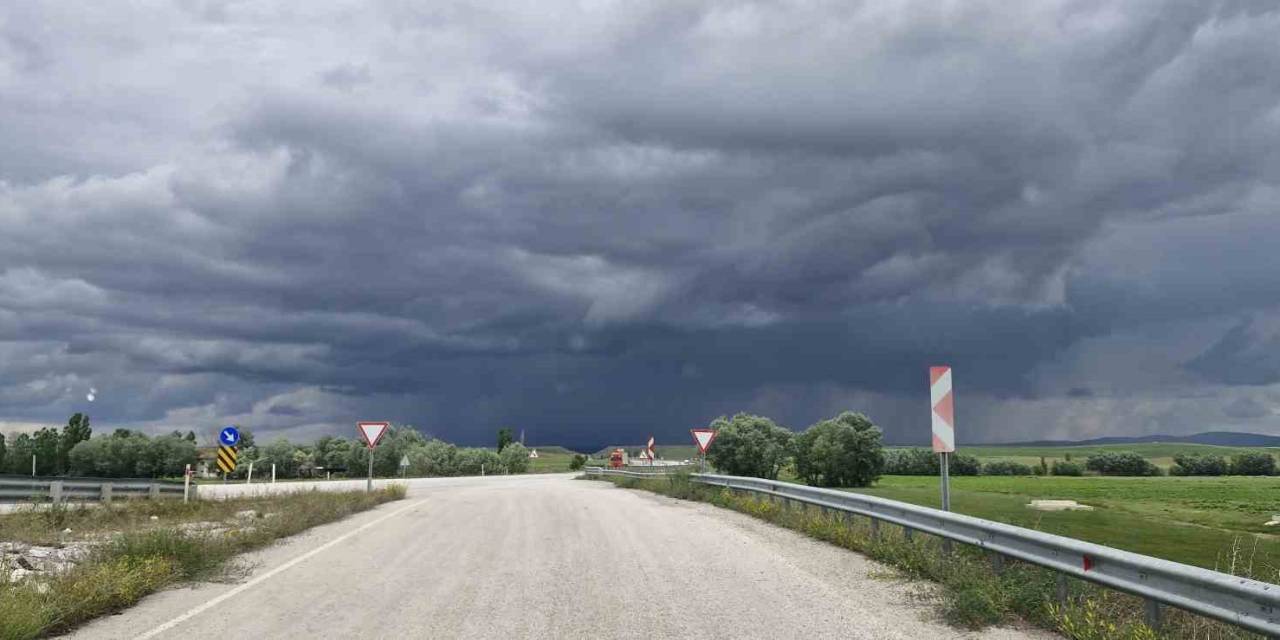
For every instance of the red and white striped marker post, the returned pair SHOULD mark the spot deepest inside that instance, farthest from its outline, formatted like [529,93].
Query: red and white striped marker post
[650,447]
[944,430]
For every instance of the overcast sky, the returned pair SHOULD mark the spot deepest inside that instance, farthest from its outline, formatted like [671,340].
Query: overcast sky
[601,220]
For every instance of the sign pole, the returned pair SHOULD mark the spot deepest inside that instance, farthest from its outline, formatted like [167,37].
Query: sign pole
[942,404]
[371,433]
[946,481]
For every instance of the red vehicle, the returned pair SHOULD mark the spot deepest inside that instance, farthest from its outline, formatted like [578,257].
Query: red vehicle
[615,459]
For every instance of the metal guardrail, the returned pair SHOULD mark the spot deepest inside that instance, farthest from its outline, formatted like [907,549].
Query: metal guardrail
[22,489]
[1247,603]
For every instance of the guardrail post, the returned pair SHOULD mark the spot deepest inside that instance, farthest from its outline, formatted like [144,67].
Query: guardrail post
[55,491]
[106,492]
[194,495]
[155,489]
[997,562]
[1153,614]
[906,533]
[875,529]
[1062,589]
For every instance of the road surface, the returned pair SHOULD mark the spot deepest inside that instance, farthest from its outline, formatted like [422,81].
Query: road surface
[544,557]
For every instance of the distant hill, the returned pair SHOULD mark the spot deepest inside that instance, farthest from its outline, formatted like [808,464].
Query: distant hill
[1216,438]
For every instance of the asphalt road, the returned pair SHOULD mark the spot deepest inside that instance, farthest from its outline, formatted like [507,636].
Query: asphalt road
[544,557]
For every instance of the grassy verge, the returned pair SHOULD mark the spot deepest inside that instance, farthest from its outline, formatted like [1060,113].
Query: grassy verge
[1211,522]
[141,555]
[971,593]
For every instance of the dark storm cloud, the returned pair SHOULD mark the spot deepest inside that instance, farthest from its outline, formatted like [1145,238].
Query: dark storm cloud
[604,221]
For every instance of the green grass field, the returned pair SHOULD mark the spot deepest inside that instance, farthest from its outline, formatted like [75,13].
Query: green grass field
[1161,454]
[1212,522]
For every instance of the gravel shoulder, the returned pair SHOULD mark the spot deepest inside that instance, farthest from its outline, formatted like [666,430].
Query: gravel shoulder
[551,557]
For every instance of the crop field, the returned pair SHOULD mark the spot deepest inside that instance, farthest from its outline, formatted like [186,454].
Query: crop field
[1212,522]
[1160,454]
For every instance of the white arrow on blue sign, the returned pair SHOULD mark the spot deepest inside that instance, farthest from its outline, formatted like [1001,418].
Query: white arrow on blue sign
[229,436]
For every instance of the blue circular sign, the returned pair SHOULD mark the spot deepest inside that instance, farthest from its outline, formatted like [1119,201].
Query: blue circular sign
[229,436]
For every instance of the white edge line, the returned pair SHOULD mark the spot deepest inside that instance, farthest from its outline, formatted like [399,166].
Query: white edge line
[266,576]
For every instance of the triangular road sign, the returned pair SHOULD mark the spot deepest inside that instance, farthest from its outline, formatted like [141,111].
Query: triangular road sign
[703,438]
[372,432]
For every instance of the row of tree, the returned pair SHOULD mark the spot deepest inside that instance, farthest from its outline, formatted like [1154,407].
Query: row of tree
[49,447]
[844,451]
[1250,463]
[132,454]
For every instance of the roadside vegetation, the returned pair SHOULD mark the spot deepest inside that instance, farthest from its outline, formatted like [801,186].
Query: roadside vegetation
[971,593]
[1197,504]
[138,547]
[124,453]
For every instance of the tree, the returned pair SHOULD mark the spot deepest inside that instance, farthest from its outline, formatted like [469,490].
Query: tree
[579,461]
[505,438]
[190,437]
[1006,468]
[395,446]
[473,462]
[749,445]
[3,452]
[1121,463]
[46,446]
[841,452]
[129,454]
[246,439]
[435,458]
[924,462]
[1198,465]
[165,456]
[76,431]
[1257,463]
[515,458]
[280,453]
[1066,468]
[333,453]
[19,456]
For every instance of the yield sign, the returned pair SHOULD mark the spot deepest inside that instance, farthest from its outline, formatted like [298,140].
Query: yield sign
[703,437]
[372,432]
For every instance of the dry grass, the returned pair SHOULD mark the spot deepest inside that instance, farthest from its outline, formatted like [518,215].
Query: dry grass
[142,555]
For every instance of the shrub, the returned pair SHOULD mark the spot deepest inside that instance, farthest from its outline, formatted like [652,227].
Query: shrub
[473,462]
[1122,463]
[1257,463]
[842,452]
[515,458]
[579,461]
[923,462]
[748,445]
[1066,468]
[1198,465]
[1006,468]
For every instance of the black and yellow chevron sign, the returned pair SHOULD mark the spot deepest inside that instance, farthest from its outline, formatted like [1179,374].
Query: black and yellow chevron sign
[227,458]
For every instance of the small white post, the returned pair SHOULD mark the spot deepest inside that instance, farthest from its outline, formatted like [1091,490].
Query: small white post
[482,468]
[33,465]
[273,473]
[186,485]
[249,478]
